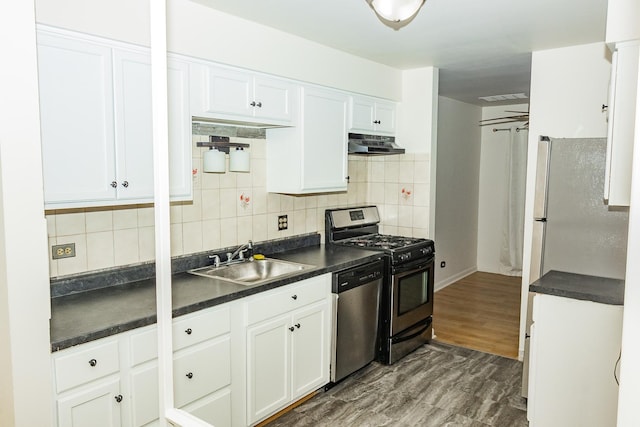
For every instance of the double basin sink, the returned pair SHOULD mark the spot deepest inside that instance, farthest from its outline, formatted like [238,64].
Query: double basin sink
[252,272]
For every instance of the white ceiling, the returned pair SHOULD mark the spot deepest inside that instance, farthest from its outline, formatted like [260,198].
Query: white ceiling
[481,47]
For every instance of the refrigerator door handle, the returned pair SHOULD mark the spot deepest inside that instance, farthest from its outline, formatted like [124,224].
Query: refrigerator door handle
[540,219]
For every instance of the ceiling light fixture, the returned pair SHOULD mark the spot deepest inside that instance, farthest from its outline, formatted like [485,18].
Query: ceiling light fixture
[396,13]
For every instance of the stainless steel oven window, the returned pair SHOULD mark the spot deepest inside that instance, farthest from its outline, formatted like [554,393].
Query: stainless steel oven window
[410,312]
[413,291]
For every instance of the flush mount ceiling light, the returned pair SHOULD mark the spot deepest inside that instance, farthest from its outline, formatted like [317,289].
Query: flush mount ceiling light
[396,13]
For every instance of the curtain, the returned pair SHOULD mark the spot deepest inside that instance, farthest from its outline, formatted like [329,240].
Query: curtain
[513,219]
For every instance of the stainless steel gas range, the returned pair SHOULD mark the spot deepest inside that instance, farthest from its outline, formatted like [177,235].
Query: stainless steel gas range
[406,309]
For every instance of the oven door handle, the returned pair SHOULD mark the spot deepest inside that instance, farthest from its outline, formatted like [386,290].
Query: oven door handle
[395,340]
[417,266]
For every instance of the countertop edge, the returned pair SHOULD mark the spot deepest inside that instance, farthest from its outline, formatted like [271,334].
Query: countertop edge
[581,287]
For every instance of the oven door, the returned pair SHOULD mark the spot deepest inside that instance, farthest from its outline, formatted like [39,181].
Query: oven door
[412,294]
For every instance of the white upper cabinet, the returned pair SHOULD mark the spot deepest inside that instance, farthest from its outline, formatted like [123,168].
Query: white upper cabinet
[312,157]
[95,106]
[622,20]
[76,119]
[133,142]
[232,95]
[621,126]
[372,115]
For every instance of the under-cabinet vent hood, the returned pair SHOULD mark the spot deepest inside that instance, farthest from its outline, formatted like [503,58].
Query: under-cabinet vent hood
[373,145]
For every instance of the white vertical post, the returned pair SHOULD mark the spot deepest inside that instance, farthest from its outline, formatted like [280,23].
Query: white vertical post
[168,412]
[161,199]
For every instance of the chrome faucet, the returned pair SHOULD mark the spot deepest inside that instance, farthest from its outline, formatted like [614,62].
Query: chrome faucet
[240,252]
[216,260]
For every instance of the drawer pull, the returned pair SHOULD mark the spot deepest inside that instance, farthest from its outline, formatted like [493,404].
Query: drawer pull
[190,375]
[294,297]
[188,331]
[93,362]
[118,398]
[291,328]
[298,325]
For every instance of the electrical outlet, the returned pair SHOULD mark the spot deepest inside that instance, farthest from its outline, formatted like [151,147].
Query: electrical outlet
[68,250]
[283,222]
[443,264]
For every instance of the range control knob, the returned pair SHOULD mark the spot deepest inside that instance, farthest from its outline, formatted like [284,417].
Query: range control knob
[425,251]
[404,257]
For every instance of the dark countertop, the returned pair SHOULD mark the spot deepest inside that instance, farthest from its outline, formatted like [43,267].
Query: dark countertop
[580,286]
[86,316]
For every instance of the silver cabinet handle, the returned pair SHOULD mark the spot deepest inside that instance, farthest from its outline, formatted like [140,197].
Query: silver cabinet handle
[259,105]
[294,297]
[188,331]
[125,184]
[118,398]
[93,362]
[114,184]
[190,375]
[291,328]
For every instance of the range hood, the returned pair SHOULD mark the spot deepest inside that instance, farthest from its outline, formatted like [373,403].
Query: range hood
[373,145]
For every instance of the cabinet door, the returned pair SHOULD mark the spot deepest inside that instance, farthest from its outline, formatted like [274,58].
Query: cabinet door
[144,395]
[180,176]
[214,409]
[76,119]
[268,367]
[95,406]
[621,127]
[310,354]
[385,117]
[273,99]
[362,114]
[134,142]
[324,150]
[228,91]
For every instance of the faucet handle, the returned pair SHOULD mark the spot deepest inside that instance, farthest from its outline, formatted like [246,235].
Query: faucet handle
[216,260]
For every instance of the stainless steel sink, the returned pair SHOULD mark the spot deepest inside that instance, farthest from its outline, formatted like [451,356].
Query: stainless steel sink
[250,273]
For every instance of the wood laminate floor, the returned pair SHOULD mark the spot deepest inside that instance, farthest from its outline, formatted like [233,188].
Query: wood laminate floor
[437,385]
[480,312]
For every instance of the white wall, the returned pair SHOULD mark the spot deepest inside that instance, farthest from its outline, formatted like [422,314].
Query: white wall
[493,183]
[456,210]
[25,366]
[200,31]
[568,87]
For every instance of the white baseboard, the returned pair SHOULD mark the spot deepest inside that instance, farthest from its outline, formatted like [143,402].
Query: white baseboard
[452,279]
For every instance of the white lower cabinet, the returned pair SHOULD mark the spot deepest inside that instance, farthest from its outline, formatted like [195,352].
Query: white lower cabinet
[234,364]
[287,352]
[97,405]
[572,365]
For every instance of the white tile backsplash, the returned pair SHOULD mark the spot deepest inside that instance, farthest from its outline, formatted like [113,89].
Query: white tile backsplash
[218,217]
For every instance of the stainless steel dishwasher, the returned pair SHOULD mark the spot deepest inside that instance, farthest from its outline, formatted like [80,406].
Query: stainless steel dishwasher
[356,301]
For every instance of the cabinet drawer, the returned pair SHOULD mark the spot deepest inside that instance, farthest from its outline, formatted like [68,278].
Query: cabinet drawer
[78,367]
[199,327]
[187,330]
[201,371]
[288,298]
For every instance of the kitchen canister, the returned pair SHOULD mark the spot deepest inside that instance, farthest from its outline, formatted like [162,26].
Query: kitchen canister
[239,160]
[214,161]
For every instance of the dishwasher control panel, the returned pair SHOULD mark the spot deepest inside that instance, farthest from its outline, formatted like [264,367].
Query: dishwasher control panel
[356,276]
